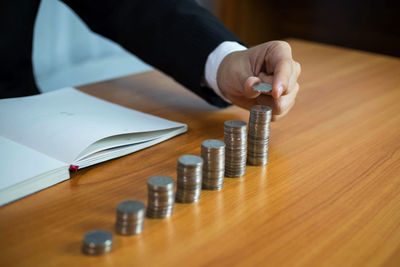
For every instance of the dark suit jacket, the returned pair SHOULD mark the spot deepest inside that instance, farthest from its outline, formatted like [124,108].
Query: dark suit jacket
[175,36]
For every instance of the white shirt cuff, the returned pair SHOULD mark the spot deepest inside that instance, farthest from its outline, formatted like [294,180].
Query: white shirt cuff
[214,59]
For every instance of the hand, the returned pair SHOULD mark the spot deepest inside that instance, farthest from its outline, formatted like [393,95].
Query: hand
[269,62]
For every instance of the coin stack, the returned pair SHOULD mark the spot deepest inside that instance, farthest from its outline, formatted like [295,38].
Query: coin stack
[213,154]
[130,217]
[160,196]
[236,148]
[189,170]
[258,136]
[97,242]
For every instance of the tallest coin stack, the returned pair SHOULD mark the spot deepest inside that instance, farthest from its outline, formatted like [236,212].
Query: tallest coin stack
[258,135]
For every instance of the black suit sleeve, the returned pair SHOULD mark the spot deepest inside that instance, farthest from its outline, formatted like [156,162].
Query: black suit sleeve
[175,36]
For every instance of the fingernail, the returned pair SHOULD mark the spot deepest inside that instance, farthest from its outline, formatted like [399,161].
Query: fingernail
[280,90]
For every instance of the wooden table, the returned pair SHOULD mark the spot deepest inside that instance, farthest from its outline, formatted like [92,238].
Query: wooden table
[330,195]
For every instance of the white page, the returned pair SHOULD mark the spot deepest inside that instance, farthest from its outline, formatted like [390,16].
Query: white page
[124,150]
[121,140]
[19,163]
[64,122]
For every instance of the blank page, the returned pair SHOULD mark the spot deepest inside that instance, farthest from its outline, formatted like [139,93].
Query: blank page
[64,122]
[19,163]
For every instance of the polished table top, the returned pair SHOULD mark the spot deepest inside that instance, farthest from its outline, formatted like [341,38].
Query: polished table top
[330,195]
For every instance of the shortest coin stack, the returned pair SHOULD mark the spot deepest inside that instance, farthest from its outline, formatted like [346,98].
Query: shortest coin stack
[258,135]
[97,242]
[213,154]
[189,170]
[130,216]
[160,196]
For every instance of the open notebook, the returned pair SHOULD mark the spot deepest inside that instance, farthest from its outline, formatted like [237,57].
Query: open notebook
[43,136]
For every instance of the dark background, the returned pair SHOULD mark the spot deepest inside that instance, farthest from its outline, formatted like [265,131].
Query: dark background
[367,25]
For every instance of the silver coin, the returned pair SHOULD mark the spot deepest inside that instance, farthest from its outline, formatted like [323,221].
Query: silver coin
[213,144]
[131,208]
[129,229]
[160,182]
[263,87]
[235,124]
[261,109]
[158,215]
[190,160]
[97,242]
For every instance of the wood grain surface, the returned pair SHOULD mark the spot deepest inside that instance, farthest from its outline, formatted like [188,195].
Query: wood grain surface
[330,195]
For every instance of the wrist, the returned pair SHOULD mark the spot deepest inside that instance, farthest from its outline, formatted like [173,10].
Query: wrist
[229,73]
[214,61]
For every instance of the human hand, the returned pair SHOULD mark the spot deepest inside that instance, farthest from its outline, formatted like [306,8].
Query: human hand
[269,62]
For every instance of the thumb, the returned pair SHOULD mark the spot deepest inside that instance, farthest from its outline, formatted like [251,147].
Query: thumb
[248,87]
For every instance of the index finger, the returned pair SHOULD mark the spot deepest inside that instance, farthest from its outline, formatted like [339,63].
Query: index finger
[282,73]
[280,62]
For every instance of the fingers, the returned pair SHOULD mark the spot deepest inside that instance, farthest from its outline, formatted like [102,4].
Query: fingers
[248,87]
[282,74]
[248,103]
[243,102]
[285,77]
[280,116]
[281,106]
[284,104]
[266,79]
[279,62]
[293,77]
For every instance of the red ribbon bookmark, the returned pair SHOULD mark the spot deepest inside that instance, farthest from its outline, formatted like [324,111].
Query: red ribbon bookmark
[73,168]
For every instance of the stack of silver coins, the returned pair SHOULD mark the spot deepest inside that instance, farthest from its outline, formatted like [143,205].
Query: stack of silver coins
[258,136]
[213,154]
[130,217]
[235,136]
[97,242]
[160,196]
[188,185]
